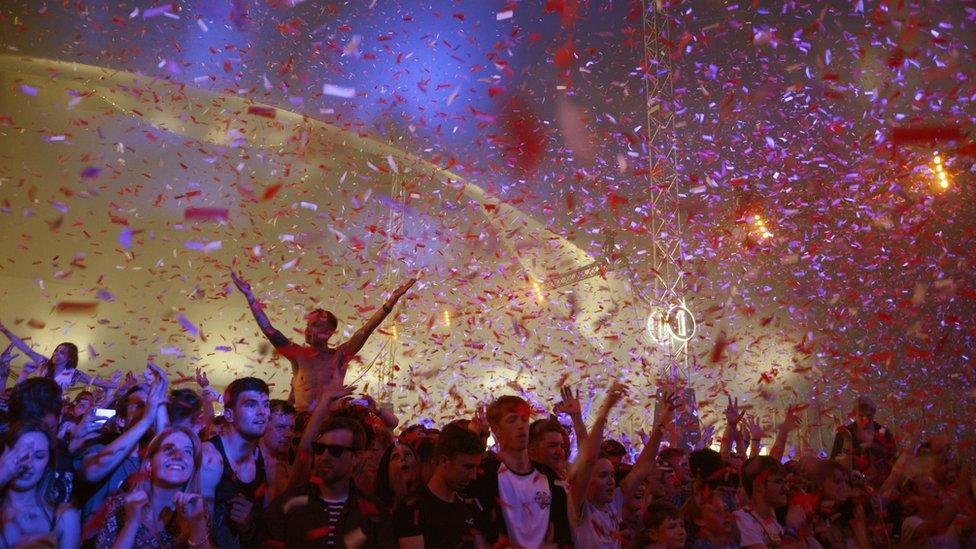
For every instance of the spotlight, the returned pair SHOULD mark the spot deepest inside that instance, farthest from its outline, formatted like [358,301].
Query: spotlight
[447,318]
[939,170]
[537,290]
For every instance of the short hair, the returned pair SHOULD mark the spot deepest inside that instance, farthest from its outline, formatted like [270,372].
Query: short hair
[455,440]
[704,463]
[33,398]
[282,407]
[339,423]
[539,428]
[613,448]
[317,316]
[239,385]
[184,404]
[757,468]
[671,453]
[864,402]
[659,511]
[824,468]
[503,405]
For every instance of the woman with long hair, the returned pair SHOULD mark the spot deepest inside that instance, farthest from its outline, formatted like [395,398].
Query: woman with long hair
[26,469]
[163,506]
[397,476]
[61,366]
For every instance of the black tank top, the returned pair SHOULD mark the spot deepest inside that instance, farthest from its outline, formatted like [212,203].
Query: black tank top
[225,531]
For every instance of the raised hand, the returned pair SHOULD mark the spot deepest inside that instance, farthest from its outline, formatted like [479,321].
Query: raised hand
[242,285]
[756,431]
[479,423]
[616,393]
[134,503]
[570,403]
[793,419]
[159,387]
[201,379]
[732,414]
[7,357]
[668,403]
[13,461]
[116,378]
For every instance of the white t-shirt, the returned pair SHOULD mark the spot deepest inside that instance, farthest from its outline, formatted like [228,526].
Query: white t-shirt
[600,526]
[525,503]
[756,531]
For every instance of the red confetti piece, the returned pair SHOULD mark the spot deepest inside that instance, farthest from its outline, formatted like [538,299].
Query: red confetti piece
[271,191]
[266,112]
[206,214]
[76,307]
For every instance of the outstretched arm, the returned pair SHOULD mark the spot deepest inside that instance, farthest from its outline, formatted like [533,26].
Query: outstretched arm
[274,336]
[667,404]
[570,405]
[585,464]
[358,339]
[5,359]
[302,467]
[38,358]
[790,423]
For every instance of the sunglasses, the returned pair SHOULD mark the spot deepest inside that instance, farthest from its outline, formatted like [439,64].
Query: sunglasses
[335,450]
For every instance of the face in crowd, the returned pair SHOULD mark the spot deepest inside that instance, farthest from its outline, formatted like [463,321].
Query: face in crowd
[250,414]
[38,448]
[320,328]
[550,450]
[602,485]
[279,433]
[512,429]
[173,459]
[335,455]
[460,470]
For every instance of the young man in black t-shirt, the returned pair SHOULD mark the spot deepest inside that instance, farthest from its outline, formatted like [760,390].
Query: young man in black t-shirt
[435,515]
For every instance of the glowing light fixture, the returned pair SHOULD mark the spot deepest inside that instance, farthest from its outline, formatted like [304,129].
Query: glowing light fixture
[762,232]
[537,290]
[940,172]
[447,318]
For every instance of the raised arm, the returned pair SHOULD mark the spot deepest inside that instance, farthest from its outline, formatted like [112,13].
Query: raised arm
[756,434]
[208,396]
[667,404]
[5,359]
[791,422]
[570,405]
[38,358]
[732,419]
[358,339]
[95,467]
[585,463]
[274,336]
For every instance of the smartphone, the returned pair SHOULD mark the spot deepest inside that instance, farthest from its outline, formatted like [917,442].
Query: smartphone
[103,414]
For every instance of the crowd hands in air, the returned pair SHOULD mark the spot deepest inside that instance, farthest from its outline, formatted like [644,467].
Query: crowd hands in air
[328,468]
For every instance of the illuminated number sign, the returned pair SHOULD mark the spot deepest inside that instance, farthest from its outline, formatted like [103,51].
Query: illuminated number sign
[678,323]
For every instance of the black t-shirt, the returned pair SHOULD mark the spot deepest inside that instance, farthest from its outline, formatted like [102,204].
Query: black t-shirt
[441,523]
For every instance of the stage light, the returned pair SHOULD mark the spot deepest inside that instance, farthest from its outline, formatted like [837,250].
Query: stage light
[939,170]
[394,332]
[761,231]
[447,318]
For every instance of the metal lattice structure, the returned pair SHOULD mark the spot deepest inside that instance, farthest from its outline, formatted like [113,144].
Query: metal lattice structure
[599,267]
[665,217]
[391,276]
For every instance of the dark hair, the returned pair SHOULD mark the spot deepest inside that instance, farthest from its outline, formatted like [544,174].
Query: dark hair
[319,315]
[33,398]
[282,407]
[502,405]
[671,453]
[24,427]
[48,366]
[539,428]
[759,467]
[184,404]
[337,423]
[613,448]
[239,385]
[121,403]
[455,440]
[657,512]
[382,487]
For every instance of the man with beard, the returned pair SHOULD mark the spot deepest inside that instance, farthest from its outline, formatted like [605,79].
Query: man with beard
[435,515]
[232,474]
[315,364]
[326,508]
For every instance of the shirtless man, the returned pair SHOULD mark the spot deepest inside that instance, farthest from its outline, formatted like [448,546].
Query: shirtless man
[315,364]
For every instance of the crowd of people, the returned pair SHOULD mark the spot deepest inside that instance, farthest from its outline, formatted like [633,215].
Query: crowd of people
[134,462]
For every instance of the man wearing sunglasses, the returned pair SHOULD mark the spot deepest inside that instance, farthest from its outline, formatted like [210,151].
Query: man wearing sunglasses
[329,510]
